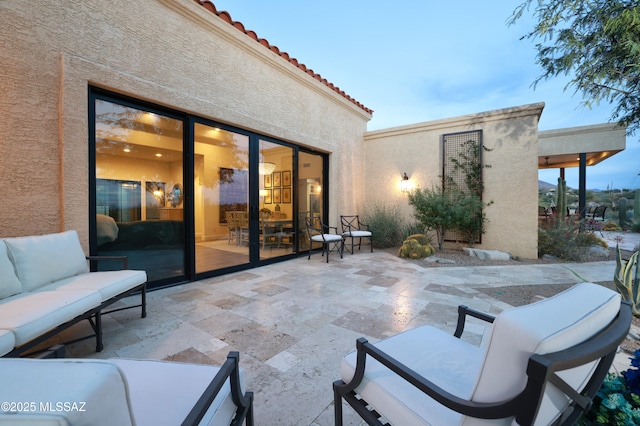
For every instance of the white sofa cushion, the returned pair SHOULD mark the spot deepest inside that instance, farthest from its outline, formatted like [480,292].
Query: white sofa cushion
[165,392]
[108,283]
[36,313]
[9,283]
[7,342]
[97,388]
[450,363]
[43,259]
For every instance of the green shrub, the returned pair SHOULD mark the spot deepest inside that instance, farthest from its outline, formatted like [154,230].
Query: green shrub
[385,224]
[565,240]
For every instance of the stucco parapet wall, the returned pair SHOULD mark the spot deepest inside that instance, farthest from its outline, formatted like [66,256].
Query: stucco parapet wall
[593,138]
[469,120]
[205,14]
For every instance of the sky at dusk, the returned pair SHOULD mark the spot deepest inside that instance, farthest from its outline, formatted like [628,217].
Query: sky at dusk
[422,60]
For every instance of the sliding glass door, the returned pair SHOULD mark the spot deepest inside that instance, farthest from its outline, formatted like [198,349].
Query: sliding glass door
[139,194]
[184,198]
[221,198]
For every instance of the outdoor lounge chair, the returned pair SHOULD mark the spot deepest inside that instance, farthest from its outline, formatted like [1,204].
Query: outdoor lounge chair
[122,392]
[543,364]
[318,232]
[353,228]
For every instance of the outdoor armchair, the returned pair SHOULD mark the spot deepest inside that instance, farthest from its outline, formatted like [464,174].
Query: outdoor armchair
[354,229]
[543,364]
[318,232]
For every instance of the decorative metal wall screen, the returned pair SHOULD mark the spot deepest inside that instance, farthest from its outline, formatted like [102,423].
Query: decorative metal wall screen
[453,146]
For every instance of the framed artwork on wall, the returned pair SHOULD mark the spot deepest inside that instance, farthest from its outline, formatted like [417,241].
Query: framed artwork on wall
[277,179]
[286,178]
[286,195]
[267,197]
[267,181]
[277,198]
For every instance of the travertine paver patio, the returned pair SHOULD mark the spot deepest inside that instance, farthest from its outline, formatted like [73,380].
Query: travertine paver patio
[292,321]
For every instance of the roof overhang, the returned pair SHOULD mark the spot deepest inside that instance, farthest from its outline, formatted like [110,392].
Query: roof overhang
[561,148]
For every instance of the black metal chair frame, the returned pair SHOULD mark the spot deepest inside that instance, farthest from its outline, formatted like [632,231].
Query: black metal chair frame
[350,224]
[244,403]
[315,227]
[541,369]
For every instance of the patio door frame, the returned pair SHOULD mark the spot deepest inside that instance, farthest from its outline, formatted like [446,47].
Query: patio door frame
[189,121]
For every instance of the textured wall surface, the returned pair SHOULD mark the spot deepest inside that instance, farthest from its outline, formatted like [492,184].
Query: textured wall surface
[171,52]
[511,182]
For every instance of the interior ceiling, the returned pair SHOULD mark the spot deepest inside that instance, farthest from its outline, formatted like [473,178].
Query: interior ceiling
[572,160]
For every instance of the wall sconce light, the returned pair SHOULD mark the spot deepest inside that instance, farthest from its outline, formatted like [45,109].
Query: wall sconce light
[405,183]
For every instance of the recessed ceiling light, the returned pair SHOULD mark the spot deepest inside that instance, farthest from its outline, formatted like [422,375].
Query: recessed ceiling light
[158,155]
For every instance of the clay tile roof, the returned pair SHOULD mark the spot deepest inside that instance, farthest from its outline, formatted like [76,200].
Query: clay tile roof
[225,16]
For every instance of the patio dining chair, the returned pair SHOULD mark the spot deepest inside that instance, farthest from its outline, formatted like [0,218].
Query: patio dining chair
[318,232]
[353,228]
[543,365]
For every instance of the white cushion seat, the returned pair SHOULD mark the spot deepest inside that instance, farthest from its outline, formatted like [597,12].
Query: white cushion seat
[330,238]
[97,387]
[165,392]
[356,234]
[7,341]
[33,314]
[108,284]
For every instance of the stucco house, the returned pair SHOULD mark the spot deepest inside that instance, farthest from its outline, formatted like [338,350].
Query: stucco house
[164,129]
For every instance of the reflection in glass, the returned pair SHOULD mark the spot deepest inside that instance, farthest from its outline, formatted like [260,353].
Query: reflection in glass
[221,198]
[277,224]
[139,156]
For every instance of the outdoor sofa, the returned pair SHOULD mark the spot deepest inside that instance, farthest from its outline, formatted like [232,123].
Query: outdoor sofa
[46,287]
[122,392]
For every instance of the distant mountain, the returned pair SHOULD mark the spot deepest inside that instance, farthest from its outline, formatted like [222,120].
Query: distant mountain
[544,186]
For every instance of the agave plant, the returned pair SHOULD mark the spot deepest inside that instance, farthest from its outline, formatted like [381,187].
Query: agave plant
[627,279]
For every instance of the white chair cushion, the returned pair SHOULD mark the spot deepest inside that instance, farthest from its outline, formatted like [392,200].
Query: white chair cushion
[97,388]
[165,392]
[327,238]
[36,313]
[43,259]
[9,283]
[356,234]
[108,283]
[7,342]
[550,325]
[450,363]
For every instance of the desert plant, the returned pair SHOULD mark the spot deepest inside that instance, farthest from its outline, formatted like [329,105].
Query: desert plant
[611,226]
[618,399]
[627,279]
[564,239]
[385,224]
[561,201]
[622,213]
[421,238]
[413,249]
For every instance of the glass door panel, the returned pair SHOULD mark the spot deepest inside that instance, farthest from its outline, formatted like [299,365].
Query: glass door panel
[221,198]
[309,186]
[277,224]
[139,195]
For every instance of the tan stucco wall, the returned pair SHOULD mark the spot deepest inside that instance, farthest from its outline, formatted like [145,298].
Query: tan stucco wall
[171,52]
[511,182]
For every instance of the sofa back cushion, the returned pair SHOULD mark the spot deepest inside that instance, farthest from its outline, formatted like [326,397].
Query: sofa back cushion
[547,326]
[9,283]
[43,259]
